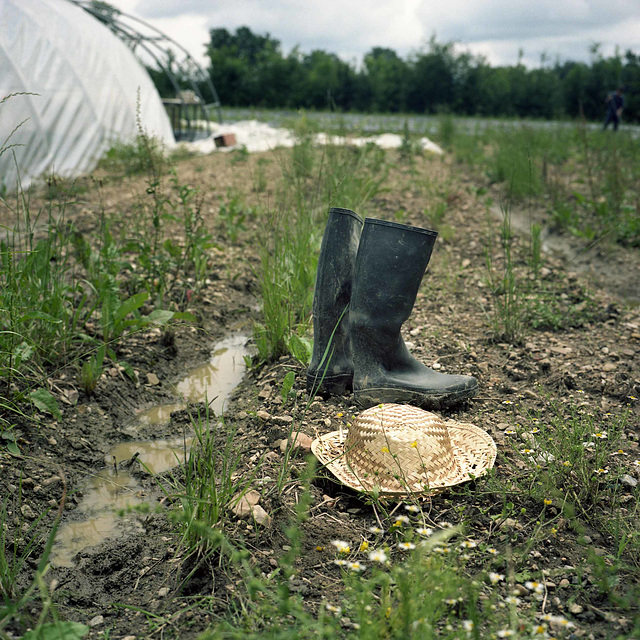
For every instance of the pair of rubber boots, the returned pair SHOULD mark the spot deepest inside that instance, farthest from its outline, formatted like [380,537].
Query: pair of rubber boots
[366,285]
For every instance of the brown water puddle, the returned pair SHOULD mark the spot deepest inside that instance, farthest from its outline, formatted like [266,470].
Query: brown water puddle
[216,379]
[157,456]
[108,492]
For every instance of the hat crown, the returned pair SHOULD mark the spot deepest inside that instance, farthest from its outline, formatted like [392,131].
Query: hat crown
[396,450]
[399,444]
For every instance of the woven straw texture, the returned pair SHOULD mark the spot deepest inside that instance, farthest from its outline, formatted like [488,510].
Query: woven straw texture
[398,449]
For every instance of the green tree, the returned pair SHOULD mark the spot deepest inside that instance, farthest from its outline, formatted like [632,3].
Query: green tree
[387,77]
[432,79]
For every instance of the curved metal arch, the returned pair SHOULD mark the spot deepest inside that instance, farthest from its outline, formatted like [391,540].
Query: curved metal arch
[188,68]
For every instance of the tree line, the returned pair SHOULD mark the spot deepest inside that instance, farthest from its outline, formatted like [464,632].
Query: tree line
[249,69]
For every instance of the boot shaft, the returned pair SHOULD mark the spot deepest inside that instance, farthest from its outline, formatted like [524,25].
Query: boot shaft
[331,366]
[391,262]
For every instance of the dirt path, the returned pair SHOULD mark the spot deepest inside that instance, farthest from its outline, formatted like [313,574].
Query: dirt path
[140,582]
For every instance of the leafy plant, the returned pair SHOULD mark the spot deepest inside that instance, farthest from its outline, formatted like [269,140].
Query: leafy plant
[234,214]
[92,370]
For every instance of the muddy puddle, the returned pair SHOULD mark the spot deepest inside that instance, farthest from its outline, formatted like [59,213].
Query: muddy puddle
[108,498]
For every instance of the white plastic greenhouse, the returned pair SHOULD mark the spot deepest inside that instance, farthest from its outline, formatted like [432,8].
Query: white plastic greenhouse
[75,90]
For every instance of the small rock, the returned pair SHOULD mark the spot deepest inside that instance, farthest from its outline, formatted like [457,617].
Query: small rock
[163,591]
[527,437]
[252,497]
[152,379]
[97,621]
[609,366]
[300,442]
[50,481]
[261,516]
[520,590]
[503,425]
[512,524]
[52,441]
[585,540]
[630,481]
[244,508]
[27,512]
[564,583]
[483,366]
[575,608]
[263,415]
[544,364]
[129,638]
[283,419]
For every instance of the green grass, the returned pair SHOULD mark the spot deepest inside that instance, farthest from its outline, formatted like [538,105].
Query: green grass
[313,180]
[589,178]
[459,583]
[523,301]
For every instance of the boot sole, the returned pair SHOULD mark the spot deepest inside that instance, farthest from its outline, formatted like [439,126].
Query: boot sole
[328,385]
[366,398]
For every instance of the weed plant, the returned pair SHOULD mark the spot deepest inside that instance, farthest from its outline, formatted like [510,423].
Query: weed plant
[313,181]
[404,580]
[234,213]
[522,300]
[286,276]
[508,309]
[590,177]
[43,306]
[572,466]
[211,484]
[62,296]
[135,158]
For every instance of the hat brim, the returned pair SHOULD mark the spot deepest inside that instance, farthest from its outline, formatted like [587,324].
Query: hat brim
[473,448]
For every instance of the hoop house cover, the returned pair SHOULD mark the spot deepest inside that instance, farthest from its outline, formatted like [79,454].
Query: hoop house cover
[87,84]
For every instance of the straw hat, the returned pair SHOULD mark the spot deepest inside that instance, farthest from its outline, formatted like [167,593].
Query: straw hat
[396,450]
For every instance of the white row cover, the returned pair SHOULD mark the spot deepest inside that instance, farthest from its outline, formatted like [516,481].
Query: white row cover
[87,84]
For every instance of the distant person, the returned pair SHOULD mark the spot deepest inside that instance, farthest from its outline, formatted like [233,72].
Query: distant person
[615,104]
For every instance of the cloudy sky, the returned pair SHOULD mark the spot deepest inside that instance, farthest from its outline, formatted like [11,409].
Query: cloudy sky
[498,29]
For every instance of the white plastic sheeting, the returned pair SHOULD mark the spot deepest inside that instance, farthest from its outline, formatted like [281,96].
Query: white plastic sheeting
[87,84]
[257,136]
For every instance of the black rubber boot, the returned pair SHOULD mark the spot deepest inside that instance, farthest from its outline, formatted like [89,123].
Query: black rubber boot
[331,369]
[392,259]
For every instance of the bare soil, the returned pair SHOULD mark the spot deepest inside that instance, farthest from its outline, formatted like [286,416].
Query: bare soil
[136,585]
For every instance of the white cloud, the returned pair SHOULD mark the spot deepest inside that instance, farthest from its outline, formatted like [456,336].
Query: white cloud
[350,28]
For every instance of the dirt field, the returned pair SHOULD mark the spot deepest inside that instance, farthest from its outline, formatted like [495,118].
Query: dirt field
[139,581]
